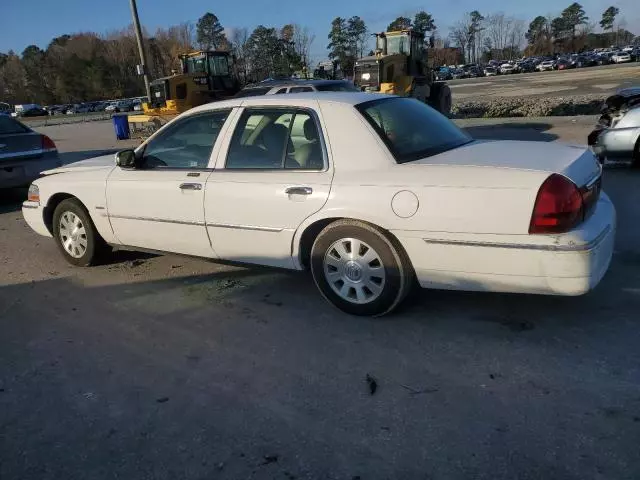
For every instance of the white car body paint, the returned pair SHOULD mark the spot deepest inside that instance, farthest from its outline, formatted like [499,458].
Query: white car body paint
[469,230]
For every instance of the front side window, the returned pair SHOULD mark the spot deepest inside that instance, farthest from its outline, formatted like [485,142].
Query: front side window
[410,129]
[275,139]
[185,144]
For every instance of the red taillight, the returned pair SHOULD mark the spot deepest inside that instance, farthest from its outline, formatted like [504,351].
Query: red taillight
[47,143]
[558,207]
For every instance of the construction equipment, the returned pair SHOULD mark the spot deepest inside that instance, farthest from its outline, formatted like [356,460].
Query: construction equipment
[399,66]
[205,77]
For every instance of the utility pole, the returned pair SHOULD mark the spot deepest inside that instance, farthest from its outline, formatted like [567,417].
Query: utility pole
[143,56]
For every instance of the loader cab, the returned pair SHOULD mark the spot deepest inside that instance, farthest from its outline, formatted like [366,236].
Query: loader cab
[212,68]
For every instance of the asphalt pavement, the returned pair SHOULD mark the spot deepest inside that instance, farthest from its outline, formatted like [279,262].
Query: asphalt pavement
[166,367]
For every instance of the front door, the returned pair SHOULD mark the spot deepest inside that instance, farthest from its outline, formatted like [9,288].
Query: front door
[274,173]
[159,204]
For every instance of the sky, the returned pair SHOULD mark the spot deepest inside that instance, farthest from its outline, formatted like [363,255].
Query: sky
[26,22]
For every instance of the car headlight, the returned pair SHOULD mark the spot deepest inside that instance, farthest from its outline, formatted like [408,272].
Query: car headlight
[34,193]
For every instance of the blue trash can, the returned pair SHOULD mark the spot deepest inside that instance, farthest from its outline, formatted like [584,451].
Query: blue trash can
[121,126]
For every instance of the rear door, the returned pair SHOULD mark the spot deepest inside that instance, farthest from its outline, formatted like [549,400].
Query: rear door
[270,176]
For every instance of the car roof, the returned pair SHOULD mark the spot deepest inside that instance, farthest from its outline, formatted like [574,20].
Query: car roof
[293,99]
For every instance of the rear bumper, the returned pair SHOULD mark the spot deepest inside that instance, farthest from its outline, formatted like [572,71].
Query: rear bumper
[19,173]
[568,264]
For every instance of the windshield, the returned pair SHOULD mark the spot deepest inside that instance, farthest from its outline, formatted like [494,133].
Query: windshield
[218,65]
[337,87]
[411,129]
[397,44]
[196,64]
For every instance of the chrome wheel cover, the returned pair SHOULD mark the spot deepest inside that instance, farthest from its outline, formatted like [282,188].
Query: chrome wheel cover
[354,271]
[72,234]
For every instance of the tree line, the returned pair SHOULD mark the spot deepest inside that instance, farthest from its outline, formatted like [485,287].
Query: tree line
[88,66]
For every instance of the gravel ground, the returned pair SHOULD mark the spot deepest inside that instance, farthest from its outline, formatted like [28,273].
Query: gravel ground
[529,106]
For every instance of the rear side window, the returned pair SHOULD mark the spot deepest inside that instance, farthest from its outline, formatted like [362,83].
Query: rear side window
[300,89]
[9,126]
[410,129]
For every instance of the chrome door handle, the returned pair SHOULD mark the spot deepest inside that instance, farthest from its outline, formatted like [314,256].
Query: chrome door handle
[299,191]
[190,186]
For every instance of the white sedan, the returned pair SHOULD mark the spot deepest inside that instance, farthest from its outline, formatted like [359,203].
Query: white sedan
[621,57]
[369,192]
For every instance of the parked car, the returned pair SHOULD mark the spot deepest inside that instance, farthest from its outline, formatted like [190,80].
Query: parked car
[421,200]
[490,72]
[459,73]
[78,108]
[444,74]
[621,57]
[5,109]
[547,65]
[272,87]
[23,153]
[617,133]
[564,64]
[507,68]
[34,112]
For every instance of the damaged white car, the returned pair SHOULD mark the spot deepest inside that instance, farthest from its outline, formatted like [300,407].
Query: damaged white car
[617,133]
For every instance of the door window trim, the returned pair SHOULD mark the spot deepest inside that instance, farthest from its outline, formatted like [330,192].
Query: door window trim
[224,152]
[215,148]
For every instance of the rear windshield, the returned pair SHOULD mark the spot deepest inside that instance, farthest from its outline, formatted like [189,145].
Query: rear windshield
[411,129]
[253,92]
[10,126]
[337,87]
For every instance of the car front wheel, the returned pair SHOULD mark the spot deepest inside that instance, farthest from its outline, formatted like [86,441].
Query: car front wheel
[75,234]
[359,269]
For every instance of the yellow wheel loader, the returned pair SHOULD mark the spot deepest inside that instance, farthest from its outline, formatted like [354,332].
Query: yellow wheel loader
[399,66]
[205,77]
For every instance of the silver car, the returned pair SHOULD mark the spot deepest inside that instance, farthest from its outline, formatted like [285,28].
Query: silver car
[617,133]
[273,87]
[23,153]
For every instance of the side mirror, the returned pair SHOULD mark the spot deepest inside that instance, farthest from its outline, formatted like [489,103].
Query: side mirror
[126,159]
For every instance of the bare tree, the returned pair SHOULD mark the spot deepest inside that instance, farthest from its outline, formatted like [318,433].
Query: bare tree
[239,38]
[515,37]
[506,33]
[461,34]
[302,41]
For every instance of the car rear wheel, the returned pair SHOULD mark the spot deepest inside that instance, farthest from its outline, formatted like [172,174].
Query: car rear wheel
[359,269]
[75,234]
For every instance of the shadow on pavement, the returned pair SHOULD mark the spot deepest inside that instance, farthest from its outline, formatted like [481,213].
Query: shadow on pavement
[11,199]
[533,131]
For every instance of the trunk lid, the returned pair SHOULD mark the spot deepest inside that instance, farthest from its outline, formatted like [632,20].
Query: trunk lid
[574,162]
[20,146]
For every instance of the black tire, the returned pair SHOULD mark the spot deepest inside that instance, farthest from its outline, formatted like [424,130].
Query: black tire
[397,270]
[440,98]
[95,245]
